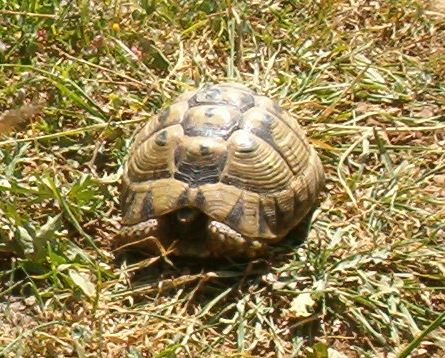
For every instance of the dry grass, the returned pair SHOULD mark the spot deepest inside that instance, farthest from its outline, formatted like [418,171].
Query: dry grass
[366,78]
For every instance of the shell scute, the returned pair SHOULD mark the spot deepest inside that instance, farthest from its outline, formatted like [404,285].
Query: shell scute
[228,94]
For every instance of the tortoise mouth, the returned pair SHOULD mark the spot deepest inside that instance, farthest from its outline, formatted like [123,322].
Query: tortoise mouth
[189,233]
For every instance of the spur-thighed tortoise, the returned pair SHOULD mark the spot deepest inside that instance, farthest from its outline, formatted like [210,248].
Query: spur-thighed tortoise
[221,172]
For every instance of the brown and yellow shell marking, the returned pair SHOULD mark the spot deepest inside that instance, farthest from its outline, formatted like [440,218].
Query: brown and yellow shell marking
[221,172]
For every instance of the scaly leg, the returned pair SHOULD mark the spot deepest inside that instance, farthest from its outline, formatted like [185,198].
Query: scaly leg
[224,240]
[144,236]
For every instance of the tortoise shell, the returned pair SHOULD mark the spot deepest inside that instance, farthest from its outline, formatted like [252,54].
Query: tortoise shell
[222,171]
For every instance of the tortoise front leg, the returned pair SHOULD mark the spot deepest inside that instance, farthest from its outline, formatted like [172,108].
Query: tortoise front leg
[144,236]
[222,240]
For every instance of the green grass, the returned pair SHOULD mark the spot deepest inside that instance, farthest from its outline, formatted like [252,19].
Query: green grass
[366,81]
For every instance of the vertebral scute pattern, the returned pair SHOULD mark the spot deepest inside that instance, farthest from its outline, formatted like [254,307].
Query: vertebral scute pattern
[260,169]
[232,155]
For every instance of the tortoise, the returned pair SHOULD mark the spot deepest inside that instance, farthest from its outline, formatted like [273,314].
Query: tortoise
[221,172]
